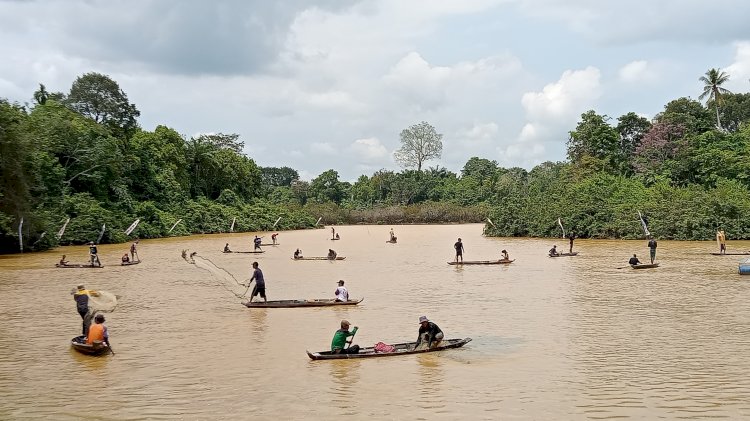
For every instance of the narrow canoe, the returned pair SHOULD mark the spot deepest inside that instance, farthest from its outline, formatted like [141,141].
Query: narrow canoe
[401,349]
[483,262]
[322,302]
[334,239]
[269,244]
[744,253]
[245,252]
[392,242]
[77,266]
[130,263]
[575,253]
[319,258]
[97,348]
[645,266]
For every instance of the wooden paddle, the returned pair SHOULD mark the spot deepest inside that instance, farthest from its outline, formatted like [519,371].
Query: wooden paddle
[349,342]
[110,348]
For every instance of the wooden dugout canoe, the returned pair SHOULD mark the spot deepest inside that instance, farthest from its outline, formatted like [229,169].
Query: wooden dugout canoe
[401,349]
[319,258]
[391,241]
[483,262]
[78,266]
[269,244]
[744,253]
[130,263]
[575,253]
[318,302]
[245,252]
[645,266]
[97,348]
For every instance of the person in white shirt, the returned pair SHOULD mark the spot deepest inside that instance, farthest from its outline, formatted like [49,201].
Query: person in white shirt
[341,293]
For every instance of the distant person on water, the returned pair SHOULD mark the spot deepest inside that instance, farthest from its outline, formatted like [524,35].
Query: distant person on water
[81,297]
[256,243]
[459,246]
[98,332]
[341,292]
[63,262]
[505,255]
[393,236]
[652,248]
[273,237]
[337,236]
[298,254]
[333,233]
[94,254]
[260,283]
[338,344]
[634,261]
[125,258]
[553,251]
[331,254]
[430,334]
[226,248]
[721,238]
[571,237]
[134,250]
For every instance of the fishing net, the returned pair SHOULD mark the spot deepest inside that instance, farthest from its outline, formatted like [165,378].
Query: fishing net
[225,279]
[104,302]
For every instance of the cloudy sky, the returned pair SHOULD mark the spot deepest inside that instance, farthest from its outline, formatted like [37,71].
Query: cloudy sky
[324,84]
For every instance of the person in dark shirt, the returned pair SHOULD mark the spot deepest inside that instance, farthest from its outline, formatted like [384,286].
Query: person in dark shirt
[81,297]
[634,261]
[298,254]
[572,238]
[331,254]
[256,243]
[652,247]
[429,333]
[93,254]
[226,248]
[553,251]
[459,246]
[260,283]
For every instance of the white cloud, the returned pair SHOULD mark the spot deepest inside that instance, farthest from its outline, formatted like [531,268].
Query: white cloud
[478,134]
[739,70]
[323,148]
[369,150]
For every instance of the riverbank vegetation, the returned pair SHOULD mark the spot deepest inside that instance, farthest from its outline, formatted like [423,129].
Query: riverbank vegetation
[82,156]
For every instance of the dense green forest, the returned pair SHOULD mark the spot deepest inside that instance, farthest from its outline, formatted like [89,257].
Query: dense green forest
[82,156]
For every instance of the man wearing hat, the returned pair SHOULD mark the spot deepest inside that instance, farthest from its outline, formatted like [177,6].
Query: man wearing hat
[338,344]
[341,293]
[430,334]
[81,297]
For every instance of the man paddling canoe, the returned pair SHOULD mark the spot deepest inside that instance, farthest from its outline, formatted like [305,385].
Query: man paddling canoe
[338,344]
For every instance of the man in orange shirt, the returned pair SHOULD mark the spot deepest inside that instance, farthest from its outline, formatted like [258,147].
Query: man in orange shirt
[97,331]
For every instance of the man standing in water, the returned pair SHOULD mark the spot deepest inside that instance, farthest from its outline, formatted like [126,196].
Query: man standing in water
[459,246]
[652,247]
[81,297]
[260,283]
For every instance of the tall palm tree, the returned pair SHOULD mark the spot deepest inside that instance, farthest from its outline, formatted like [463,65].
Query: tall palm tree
[712,81]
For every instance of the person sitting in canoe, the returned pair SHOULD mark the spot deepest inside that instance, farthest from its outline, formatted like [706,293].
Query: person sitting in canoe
[337,236]
[273,237]
[338,344]
[298,254]
[63,262]
[331,254]
[98,332]
[553,251]
[634,260]
[393,236]
[505,255]
[430,334]
[226,248]
[256,243]
[125,258]
[341,292]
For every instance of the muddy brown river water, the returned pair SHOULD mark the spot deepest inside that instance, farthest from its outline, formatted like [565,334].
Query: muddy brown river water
[553,339]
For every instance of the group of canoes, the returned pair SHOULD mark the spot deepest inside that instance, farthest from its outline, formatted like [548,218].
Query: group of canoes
[126,260]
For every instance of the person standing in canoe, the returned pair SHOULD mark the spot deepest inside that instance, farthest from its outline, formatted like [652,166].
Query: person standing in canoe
[94,254]
[338,344]
[134,251]
[652,248]
[341,293]
[273,237]
[721,238]
[81,297]
[553,251]
[333,233]
[98,332]
[459,246]
[634,261]
[256,243]
[260,283]
[430,334]
[571,237]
